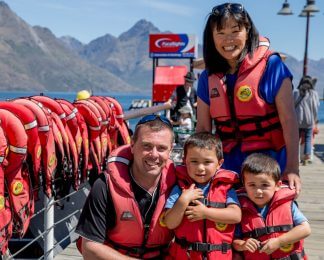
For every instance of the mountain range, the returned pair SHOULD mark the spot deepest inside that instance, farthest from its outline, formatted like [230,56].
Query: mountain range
[33,58]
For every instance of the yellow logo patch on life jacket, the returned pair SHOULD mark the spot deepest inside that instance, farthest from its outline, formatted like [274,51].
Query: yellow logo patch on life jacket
[244,93]
[287,248]
[59,137]
[79,142]
[128,140]
[39,152]
[51,160]
[17,187]
[2,202]
[104,141]
[221,226]
[161,220]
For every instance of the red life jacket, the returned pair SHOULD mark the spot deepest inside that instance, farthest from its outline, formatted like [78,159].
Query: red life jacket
[103,132]
[279,220]
[52,105]
[130,235]
[79,130]
[106,138]
[120,123]
[112,126]
[245,117]
[197,239]
[5,209]
[92,119]
[28,119]
[16,172]
[46,137]
[69,156]
[70,148]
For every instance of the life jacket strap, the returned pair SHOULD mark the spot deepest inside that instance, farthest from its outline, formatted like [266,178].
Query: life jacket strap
[203,247]
[212,204]
[4,235]
[244,134]
[140,250]
[293,256]
[259,232]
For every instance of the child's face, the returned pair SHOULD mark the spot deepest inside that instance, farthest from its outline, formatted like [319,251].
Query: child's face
[202,164]
[260,188]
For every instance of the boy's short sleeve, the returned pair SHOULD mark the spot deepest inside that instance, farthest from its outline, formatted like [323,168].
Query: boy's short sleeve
[298,216]
[174,196]
[232,198]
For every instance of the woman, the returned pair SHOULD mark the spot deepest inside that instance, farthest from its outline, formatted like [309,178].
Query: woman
[306,104]
[247,92]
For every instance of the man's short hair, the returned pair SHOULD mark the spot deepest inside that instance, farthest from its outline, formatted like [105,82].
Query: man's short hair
[155,123]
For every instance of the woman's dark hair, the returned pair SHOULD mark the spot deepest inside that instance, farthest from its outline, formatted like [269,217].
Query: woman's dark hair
[214,62]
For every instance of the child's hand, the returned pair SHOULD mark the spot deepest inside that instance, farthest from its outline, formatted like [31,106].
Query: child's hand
[251,245]
[270,245]
[191,194]
[196,212]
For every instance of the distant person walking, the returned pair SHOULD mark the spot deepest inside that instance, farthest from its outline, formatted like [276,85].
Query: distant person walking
[306,104]
[184,95]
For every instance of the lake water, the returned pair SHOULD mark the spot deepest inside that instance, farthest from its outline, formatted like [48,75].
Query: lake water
[124,99]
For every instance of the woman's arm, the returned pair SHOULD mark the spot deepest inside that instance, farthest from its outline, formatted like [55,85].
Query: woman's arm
[286,111]
[203,117]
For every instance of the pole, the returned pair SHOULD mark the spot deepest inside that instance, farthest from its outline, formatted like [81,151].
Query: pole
[146,111]
[306,44]
[49,227]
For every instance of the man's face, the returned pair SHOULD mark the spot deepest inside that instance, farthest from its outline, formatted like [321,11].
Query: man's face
[151,151]
[188,83]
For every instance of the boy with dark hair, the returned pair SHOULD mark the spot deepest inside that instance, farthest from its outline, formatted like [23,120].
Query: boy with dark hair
[203,208]
[272,226]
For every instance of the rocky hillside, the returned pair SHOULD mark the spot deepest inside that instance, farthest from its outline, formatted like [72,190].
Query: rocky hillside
[33,58]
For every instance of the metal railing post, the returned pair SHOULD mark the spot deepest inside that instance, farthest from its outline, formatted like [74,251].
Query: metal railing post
[49,228]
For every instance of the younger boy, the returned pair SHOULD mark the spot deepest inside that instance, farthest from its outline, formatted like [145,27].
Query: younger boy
[272,226]
[203,208]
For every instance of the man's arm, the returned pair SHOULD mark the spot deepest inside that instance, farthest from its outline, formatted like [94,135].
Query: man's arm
[93,250]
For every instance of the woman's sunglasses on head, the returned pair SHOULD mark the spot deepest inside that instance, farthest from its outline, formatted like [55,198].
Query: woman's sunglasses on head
[231,7]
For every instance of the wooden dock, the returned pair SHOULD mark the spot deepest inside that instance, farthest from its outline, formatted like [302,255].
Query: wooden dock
[311,202]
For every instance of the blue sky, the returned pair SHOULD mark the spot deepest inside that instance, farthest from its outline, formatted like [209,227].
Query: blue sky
[89,19]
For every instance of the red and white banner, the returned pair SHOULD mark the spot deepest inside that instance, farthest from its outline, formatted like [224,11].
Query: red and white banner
[173,46]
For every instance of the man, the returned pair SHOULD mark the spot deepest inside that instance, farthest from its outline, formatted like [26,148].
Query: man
[184,95]
[122,217]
